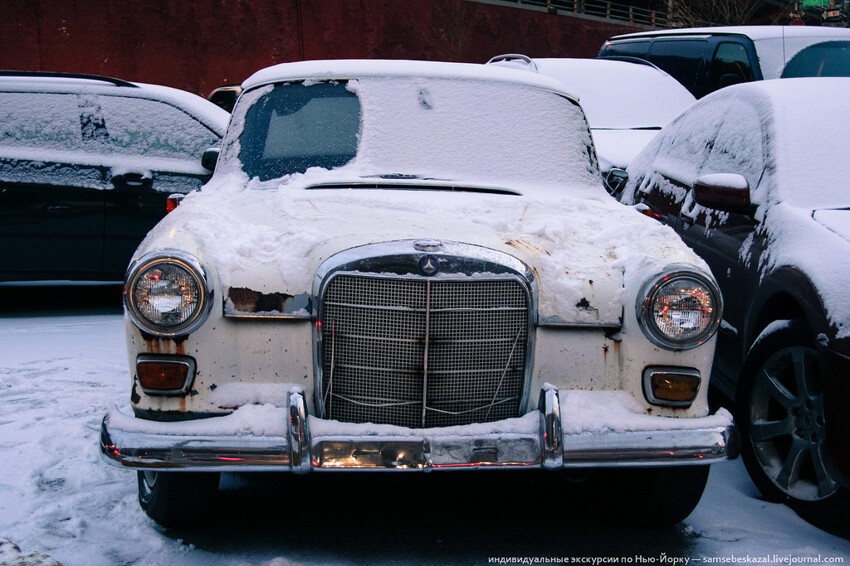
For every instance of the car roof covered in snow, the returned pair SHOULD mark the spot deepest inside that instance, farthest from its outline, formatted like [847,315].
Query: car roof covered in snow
[211,115]
[617,94]
[360,68]
[753,32]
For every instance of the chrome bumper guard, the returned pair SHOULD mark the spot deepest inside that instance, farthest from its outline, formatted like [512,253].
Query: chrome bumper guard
[533,441]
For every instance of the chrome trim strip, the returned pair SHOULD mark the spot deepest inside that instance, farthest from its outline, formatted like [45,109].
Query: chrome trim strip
[700,446]
[425,367]
[515,445]
[269,316]
[385,251]
[148,451]
[553,447]
[554,322]
[299,433]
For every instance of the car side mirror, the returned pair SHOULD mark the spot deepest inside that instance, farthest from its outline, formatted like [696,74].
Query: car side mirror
[729,192]
[615,181]
[210,158]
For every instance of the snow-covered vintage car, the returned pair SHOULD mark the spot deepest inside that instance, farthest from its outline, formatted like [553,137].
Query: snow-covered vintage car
[414,266]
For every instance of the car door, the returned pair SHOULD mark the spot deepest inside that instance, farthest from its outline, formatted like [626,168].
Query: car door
[681,148]
[155,151]
[732,63]
[726,240]
[684,59]
[51,190]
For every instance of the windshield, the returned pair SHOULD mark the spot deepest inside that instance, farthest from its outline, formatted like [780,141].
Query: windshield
[294,128]
[827,59]
[417,127]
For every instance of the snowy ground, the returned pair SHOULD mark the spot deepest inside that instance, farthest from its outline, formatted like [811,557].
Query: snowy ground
[62,365]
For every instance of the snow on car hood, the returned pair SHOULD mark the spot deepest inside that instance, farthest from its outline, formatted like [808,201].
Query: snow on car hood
[837,221]
[816,242]
[581,250]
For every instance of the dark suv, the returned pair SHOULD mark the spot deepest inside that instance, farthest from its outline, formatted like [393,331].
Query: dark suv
[707,59]
[87,164]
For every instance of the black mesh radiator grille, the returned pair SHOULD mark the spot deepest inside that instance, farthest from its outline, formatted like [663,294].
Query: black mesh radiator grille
[423,352]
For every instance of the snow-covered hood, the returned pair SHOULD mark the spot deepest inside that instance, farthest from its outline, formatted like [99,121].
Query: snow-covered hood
[817,243]
[583,251]
[837,221]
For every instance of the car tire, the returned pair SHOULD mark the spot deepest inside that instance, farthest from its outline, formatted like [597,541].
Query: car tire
[779,412]
[654,497]
[176,499]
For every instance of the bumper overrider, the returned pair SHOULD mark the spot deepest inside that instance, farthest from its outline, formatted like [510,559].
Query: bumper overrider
[300,443]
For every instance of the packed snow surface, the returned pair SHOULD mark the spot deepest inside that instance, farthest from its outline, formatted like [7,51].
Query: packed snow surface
[58,376]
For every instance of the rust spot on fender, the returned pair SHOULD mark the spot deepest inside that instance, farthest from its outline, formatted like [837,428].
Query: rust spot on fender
[527,246]
[248,300]
[134,394]
[153,345]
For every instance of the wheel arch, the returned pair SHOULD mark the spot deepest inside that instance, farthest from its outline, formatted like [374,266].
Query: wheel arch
[785,293]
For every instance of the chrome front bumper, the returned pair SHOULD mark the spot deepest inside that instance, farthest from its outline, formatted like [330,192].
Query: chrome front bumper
[301,443]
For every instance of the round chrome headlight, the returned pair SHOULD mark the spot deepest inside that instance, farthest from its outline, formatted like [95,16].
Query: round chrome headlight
[167,294]
[680,310]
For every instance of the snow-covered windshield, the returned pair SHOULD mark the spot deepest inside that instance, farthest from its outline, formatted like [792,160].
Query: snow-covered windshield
[417,127]
[296,127]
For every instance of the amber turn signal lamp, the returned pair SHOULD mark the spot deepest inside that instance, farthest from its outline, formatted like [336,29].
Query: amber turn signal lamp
[171,375]
[675,387]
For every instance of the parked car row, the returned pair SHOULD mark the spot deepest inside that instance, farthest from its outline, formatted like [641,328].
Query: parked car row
[415,266]
[754,185]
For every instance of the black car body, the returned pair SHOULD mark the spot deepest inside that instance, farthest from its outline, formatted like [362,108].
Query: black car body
[760,194]
[707,59]
[86,167]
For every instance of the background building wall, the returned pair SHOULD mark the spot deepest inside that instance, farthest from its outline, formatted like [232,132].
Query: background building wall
[198,45]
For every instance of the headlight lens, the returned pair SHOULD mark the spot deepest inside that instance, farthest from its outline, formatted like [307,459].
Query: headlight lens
[167,294]
[680,310]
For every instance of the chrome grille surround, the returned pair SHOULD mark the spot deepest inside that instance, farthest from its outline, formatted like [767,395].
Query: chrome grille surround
[396,347]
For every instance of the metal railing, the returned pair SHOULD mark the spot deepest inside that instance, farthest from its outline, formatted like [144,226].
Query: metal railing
[605,9]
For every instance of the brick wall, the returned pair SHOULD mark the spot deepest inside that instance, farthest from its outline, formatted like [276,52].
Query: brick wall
[198,45]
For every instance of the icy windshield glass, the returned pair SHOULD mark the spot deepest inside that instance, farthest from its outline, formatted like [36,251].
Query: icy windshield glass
[296,127]
[416,127]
